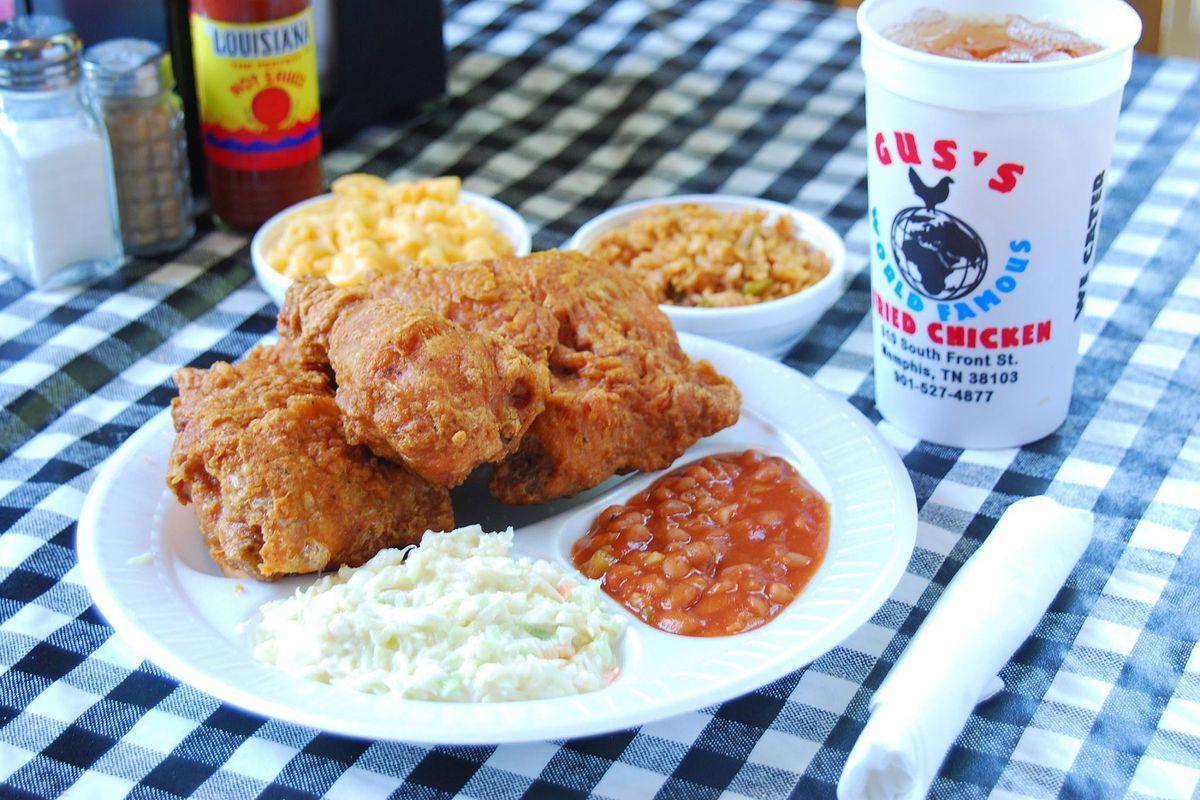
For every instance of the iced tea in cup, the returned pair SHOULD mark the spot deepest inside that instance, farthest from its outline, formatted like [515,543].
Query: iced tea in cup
[985,183]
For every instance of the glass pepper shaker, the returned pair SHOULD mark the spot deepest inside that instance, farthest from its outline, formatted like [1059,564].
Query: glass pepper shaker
[58,220]
[131,84]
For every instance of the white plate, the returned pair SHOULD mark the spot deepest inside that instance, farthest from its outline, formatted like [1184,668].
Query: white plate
[183,614]
[508,222]
[770,327]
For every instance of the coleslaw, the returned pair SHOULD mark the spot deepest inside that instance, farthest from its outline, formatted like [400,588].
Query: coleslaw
[457,618]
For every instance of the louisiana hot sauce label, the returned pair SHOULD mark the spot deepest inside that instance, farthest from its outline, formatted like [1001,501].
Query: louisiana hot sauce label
[256,83]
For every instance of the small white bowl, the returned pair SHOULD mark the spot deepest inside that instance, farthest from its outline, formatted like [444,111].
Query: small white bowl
[508,222]
[770,327]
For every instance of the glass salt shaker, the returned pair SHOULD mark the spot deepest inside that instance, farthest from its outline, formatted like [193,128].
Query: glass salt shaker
[131,83]
[58,209]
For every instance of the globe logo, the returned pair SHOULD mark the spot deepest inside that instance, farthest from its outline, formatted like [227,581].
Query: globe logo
[938,254]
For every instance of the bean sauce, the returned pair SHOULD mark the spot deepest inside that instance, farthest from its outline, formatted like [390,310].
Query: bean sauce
[716,547]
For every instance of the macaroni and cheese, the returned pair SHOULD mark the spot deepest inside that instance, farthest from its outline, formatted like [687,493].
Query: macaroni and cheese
[370,226]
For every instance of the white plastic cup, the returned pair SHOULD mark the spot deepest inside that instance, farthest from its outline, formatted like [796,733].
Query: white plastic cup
[985,183]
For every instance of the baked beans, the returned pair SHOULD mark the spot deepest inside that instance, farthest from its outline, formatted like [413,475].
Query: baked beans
[716,547]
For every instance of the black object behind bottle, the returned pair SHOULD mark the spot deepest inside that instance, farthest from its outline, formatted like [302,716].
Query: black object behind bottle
[387,58]
[179,43]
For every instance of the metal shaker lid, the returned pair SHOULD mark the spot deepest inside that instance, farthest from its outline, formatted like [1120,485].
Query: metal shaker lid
[127,68]
[37,53]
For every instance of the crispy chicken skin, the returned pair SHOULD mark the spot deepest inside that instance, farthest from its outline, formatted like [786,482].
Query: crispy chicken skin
[623,394]
[480,296]
[260,452]
[412,385]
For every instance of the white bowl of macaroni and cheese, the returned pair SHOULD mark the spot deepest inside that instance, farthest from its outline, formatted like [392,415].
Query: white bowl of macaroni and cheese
[751,272]
[367,226]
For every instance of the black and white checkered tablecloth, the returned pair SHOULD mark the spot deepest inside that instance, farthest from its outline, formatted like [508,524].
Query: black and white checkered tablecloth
[561,110]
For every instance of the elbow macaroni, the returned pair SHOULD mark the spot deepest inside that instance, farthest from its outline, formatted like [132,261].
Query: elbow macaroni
[372,226]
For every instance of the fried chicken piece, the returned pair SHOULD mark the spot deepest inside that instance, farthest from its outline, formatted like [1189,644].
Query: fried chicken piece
[259,450]
[623,395]
[476,296]
[414,386]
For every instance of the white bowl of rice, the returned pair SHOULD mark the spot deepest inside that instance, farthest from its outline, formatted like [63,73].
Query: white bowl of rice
[754,273]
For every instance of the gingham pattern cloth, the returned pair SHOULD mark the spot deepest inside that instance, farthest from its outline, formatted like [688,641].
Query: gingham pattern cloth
[562,110]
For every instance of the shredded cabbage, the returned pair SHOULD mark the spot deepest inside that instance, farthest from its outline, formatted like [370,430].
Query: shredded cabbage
[458,618]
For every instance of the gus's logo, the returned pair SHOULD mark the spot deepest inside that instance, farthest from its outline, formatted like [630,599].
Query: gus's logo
[936,260]
[946,155]
[937,282]
[939,255]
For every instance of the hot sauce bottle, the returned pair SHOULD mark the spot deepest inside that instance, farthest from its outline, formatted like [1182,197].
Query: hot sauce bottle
[256,85]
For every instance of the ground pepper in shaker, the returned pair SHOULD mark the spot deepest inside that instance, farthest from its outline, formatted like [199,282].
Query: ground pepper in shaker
[58,221]
[131,83]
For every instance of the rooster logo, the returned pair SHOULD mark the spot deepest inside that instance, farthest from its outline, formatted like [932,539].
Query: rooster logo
[931,195]
[939,255]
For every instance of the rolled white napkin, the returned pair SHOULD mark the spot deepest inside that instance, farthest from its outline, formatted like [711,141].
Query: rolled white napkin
[987,611]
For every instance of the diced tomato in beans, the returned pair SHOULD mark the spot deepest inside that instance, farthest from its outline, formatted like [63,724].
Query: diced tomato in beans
[716,547]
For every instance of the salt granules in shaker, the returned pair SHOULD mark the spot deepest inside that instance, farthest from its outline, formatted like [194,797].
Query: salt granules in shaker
[58,220]
[130,82]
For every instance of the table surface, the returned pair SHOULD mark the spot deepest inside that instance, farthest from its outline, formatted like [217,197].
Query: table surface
[563,110]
